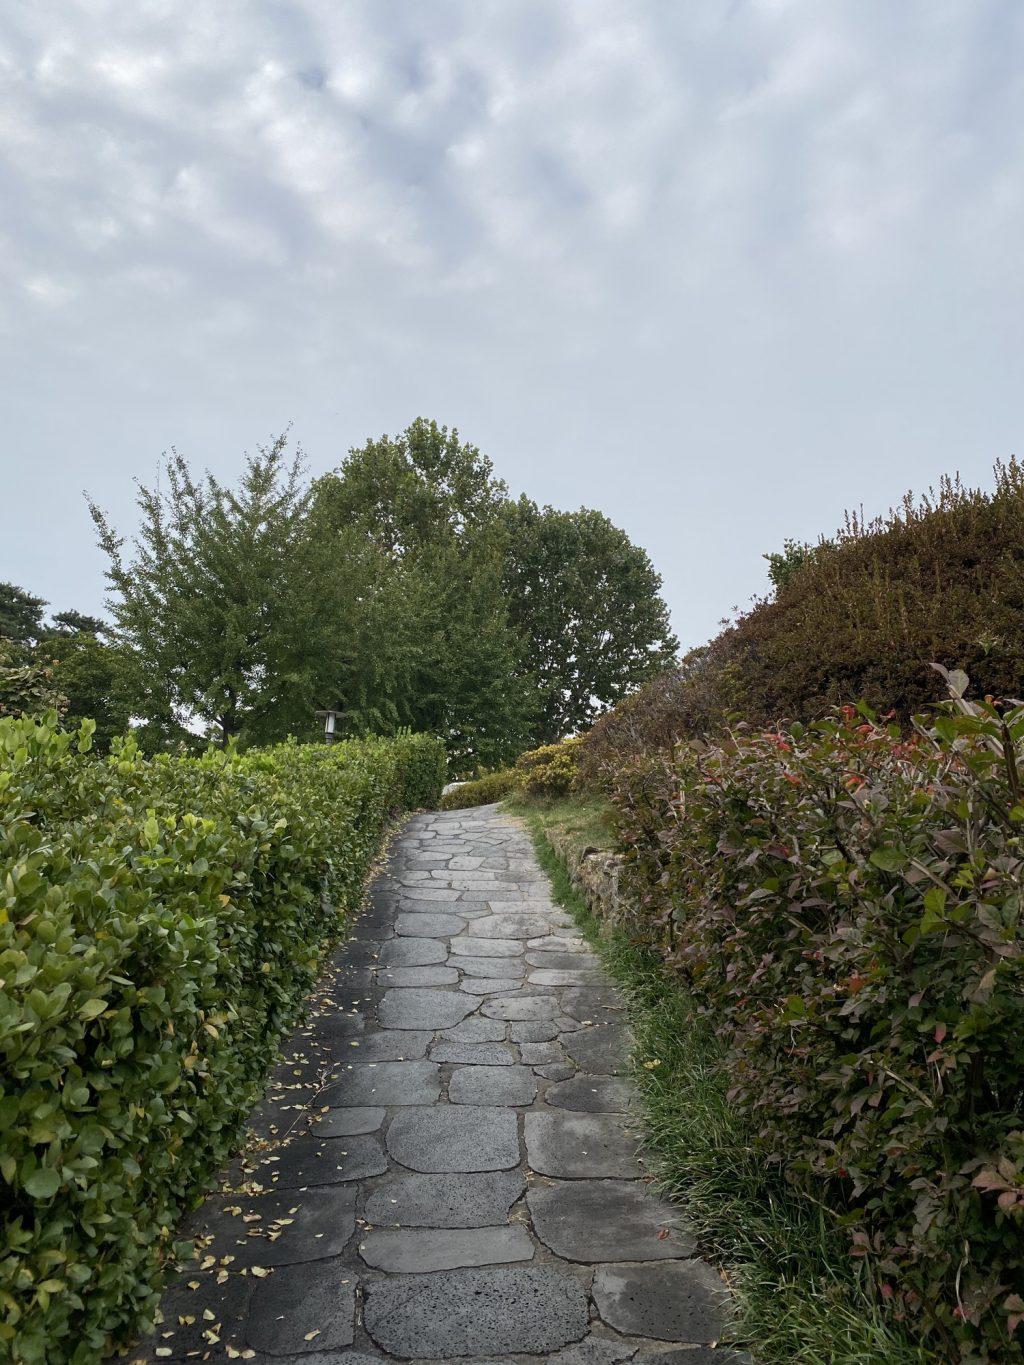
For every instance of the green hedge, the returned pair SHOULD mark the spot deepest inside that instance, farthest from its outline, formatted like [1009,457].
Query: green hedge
[482,790]
[161,922]
[844,903]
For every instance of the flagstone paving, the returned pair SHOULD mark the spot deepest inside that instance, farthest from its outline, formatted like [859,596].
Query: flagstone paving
[445,1166]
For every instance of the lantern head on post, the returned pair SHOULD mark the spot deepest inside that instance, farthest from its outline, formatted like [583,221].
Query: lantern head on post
[330,719]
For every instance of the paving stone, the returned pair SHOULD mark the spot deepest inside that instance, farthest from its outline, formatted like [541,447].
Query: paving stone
[402,1250]
[580,1146]
[417,976]
[534,1031]
[501,985]
[680,1301]
[423,1009]
[595,1351]
[300,1299]
[309,1160]
[521,1007]
[602,1050]
[578,961]
[385,1083]
[477,947]
[473,1054]
[425,893]
[455,1138]
[305,1225]
[486,966]
[333,1033]
[542,977]
[541,1054]
[507,927]
[592,1094]
[412,952]
[606,1220]
[527,1309]
[347,1122]
[445,1201]
[227,1301]
[557,943]
[699,1355]
[556,1073]
[508,1085]
[598,1004]
[429,926]
[390,1045]
[475,1029]
[460,863]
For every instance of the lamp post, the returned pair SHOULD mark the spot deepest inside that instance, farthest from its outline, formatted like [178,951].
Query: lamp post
[330,719]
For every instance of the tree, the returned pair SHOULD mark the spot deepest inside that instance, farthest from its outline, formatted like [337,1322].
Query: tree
[89,673]
[587,602]
[428,505]
[21,614]
[218,606]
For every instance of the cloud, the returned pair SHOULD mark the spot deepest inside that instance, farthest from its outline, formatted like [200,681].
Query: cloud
[618,221]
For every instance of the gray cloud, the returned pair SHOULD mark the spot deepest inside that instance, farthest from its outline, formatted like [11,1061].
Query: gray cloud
[720,270]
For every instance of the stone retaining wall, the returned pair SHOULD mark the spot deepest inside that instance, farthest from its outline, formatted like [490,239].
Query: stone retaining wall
[595,875]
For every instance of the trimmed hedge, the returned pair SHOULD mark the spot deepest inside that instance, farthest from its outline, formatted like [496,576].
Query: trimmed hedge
[161,922]
[844,903]
[481,791]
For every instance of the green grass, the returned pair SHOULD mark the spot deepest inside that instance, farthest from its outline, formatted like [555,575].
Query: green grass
[798,1294]
[584,820]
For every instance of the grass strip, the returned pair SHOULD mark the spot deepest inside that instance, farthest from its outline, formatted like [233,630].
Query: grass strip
[799,1296]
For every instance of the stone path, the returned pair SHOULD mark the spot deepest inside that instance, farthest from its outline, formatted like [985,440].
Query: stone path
[446,1166]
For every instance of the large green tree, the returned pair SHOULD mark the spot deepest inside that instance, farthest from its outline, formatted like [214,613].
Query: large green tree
[587,602]
[21,614]
[429,505]
[220,608]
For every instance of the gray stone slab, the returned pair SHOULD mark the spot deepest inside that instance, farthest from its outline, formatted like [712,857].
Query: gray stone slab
[681,1301]
[519,1007]
[597,1004]
[541,1054]
[277,1228]
[347,1122]
[488,966]
[429,926]
[478,947]
[592,1094]
[423,1009]
[412,952]
[534,1030]
[606,1220]
[595,1351]
[541,976]
[445,1201]
[601,1050]
[391,1045]
[557,1072]
[580,1146]
[580,960]
[508,927]
[473,1054]
[309,1160]
[182,1330]
[297,1300]
[475,1029]
[500,985]
[506,1085]
[514,1309]
[385,1083]
[455,1138]
[438,975]
[557,943]
[405,1250]
[425,893]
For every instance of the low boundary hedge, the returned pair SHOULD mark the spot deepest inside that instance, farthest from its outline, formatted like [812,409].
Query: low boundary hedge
[161,922]
[845,906]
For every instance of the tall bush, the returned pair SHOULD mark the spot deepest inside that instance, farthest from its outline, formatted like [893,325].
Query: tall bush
[844,902]
[161,922]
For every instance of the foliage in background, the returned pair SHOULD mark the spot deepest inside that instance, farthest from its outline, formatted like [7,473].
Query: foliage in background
[481,791]
[587,603]
[161,922]
[219,606]
[862,615]
[844,904]
[550,770]
[26,687]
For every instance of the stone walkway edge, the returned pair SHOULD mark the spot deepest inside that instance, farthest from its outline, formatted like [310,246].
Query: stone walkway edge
[446,1165]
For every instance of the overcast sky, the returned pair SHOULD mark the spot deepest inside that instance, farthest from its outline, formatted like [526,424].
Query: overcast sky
[719,269]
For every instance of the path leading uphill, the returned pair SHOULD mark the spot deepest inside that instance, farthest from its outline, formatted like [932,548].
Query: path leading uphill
[449,1167]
